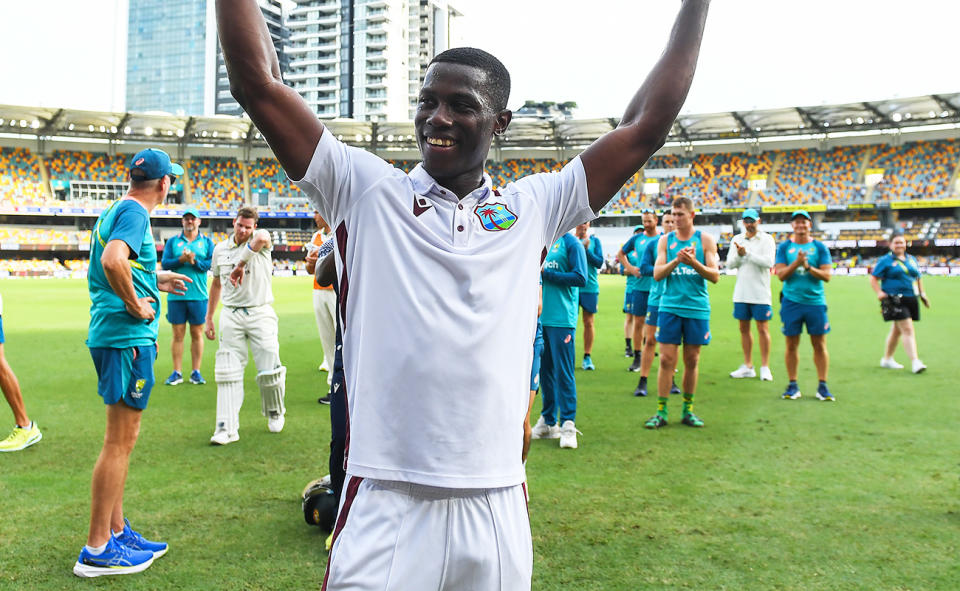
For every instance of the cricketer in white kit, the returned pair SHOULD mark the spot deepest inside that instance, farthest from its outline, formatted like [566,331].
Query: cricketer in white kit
[438,280]
[242,270]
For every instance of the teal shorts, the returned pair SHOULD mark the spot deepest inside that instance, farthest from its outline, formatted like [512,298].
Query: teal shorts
[125,374]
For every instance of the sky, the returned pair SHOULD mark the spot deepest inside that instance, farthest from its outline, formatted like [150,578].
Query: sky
[756,53]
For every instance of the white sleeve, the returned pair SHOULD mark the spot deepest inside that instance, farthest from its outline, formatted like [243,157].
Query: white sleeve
[562,197]
[339,174]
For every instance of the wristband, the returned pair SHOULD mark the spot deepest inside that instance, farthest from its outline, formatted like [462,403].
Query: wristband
[246,255]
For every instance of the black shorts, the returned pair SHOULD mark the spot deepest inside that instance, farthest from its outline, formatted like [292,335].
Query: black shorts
[900,308]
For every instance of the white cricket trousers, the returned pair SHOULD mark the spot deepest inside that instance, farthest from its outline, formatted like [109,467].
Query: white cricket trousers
[398,536]
[325,312]
[256,326]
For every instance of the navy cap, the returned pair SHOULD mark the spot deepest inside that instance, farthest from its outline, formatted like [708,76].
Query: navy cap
[802,212]
[751,214]
[191,211]
[153,164]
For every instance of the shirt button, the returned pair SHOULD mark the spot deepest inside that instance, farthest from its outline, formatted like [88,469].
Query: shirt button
[459,205]
[442,192]
[459,228]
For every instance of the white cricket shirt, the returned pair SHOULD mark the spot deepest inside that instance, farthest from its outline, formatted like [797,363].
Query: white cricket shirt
[753,269]
[438,305]
[255,289]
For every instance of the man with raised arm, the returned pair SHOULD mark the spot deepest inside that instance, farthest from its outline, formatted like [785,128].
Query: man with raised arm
[437,327]
[686,260]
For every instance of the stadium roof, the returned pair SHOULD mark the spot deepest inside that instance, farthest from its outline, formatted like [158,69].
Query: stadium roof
[902,113]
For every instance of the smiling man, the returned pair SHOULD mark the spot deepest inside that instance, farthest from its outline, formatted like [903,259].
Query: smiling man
[437,327]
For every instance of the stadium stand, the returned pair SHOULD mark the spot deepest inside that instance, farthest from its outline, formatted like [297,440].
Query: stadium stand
[217,183]
[266,174]
[65,165]
[916,170]
[20,179]
[812,176]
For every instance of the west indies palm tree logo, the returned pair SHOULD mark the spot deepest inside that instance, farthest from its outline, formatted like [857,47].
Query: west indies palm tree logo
[495,216]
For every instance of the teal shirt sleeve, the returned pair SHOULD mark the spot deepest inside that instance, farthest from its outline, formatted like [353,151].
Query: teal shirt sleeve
[823,255]
[203,264]
[577,262]
[169,261]
[595,253]
[129,225]
[649,258]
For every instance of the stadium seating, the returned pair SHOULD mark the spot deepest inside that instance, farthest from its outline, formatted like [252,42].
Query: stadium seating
[812,176]
[81,165]
[20,181]
[916,170]
[217,183]
[715,180]
[266,174]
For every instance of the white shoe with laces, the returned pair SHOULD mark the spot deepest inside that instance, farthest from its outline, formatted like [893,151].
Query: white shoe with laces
[568,435]
[889,363]
[918,366]
[766,375]
[222,437]
[275,422]
[544,431]
[743,372]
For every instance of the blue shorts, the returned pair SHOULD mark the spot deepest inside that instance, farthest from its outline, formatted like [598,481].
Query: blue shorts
[183,311]
[794,316]
[653,315]
[535,366]
[640,299]
[588,301]
[628,302]
[758,312]
[677,330]
[1,330]
[125,374]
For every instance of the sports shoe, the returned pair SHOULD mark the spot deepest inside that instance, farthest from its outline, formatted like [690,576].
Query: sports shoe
[824,394]
[674,389]
[791,393]
[328,543]
[275,421]
[655,422]
[587,364]
[889,363]
[628,352]
[324,366]
[766,375]
[641,389]
[635,366]
[544,431]
[324,399]
[743,372]
[116,559]
[221,437]
[691,420]
[133,540]
[196,378]
[175,378]
[21,437]
[568,435]
[918,366]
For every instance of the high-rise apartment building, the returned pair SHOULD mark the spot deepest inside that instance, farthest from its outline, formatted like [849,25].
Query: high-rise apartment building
[171,56]
[273,13]
[364,59]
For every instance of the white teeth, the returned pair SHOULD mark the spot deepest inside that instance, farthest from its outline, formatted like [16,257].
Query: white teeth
[435,141]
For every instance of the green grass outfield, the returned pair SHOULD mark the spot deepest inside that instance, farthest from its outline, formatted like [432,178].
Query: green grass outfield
[772,494]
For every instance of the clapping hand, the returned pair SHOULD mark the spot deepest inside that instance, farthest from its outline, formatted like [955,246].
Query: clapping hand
[687,255]
[741,250]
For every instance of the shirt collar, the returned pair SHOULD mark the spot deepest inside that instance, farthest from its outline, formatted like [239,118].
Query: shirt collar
[425,184]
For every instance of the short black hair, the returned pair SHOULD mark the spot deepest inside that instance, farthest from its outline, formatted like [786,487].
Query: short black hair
[497,84]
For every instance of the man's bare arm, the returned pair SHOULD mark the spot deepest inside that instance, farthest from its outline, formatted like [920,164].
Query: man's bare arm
[279,112]
[618,155]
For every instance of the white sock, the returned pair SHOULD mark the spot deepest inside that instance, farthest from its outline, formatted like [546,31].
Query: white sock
[96,551]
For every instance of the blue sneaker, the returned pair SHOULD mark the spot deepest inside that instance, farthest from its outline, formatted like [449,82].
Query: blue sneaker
[133,540]
[196,378]
[674,389]
[116,559]
[824,394]
[174,379]
[588,364]
[791,393]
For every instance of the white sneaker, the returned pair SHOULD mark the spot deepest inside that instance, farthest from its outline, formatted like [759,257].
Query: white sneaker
[889,363]
[766,375]
[275,422]
[568,435]
[544,431]
[918,366]
[324,366]
[221,437]
[743,372]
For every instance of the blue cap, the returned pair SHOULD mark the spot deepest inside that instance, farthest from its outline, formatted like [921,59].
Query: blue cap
[802,212]
[638,229]
[751,214]
[191,211]
[153,164]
